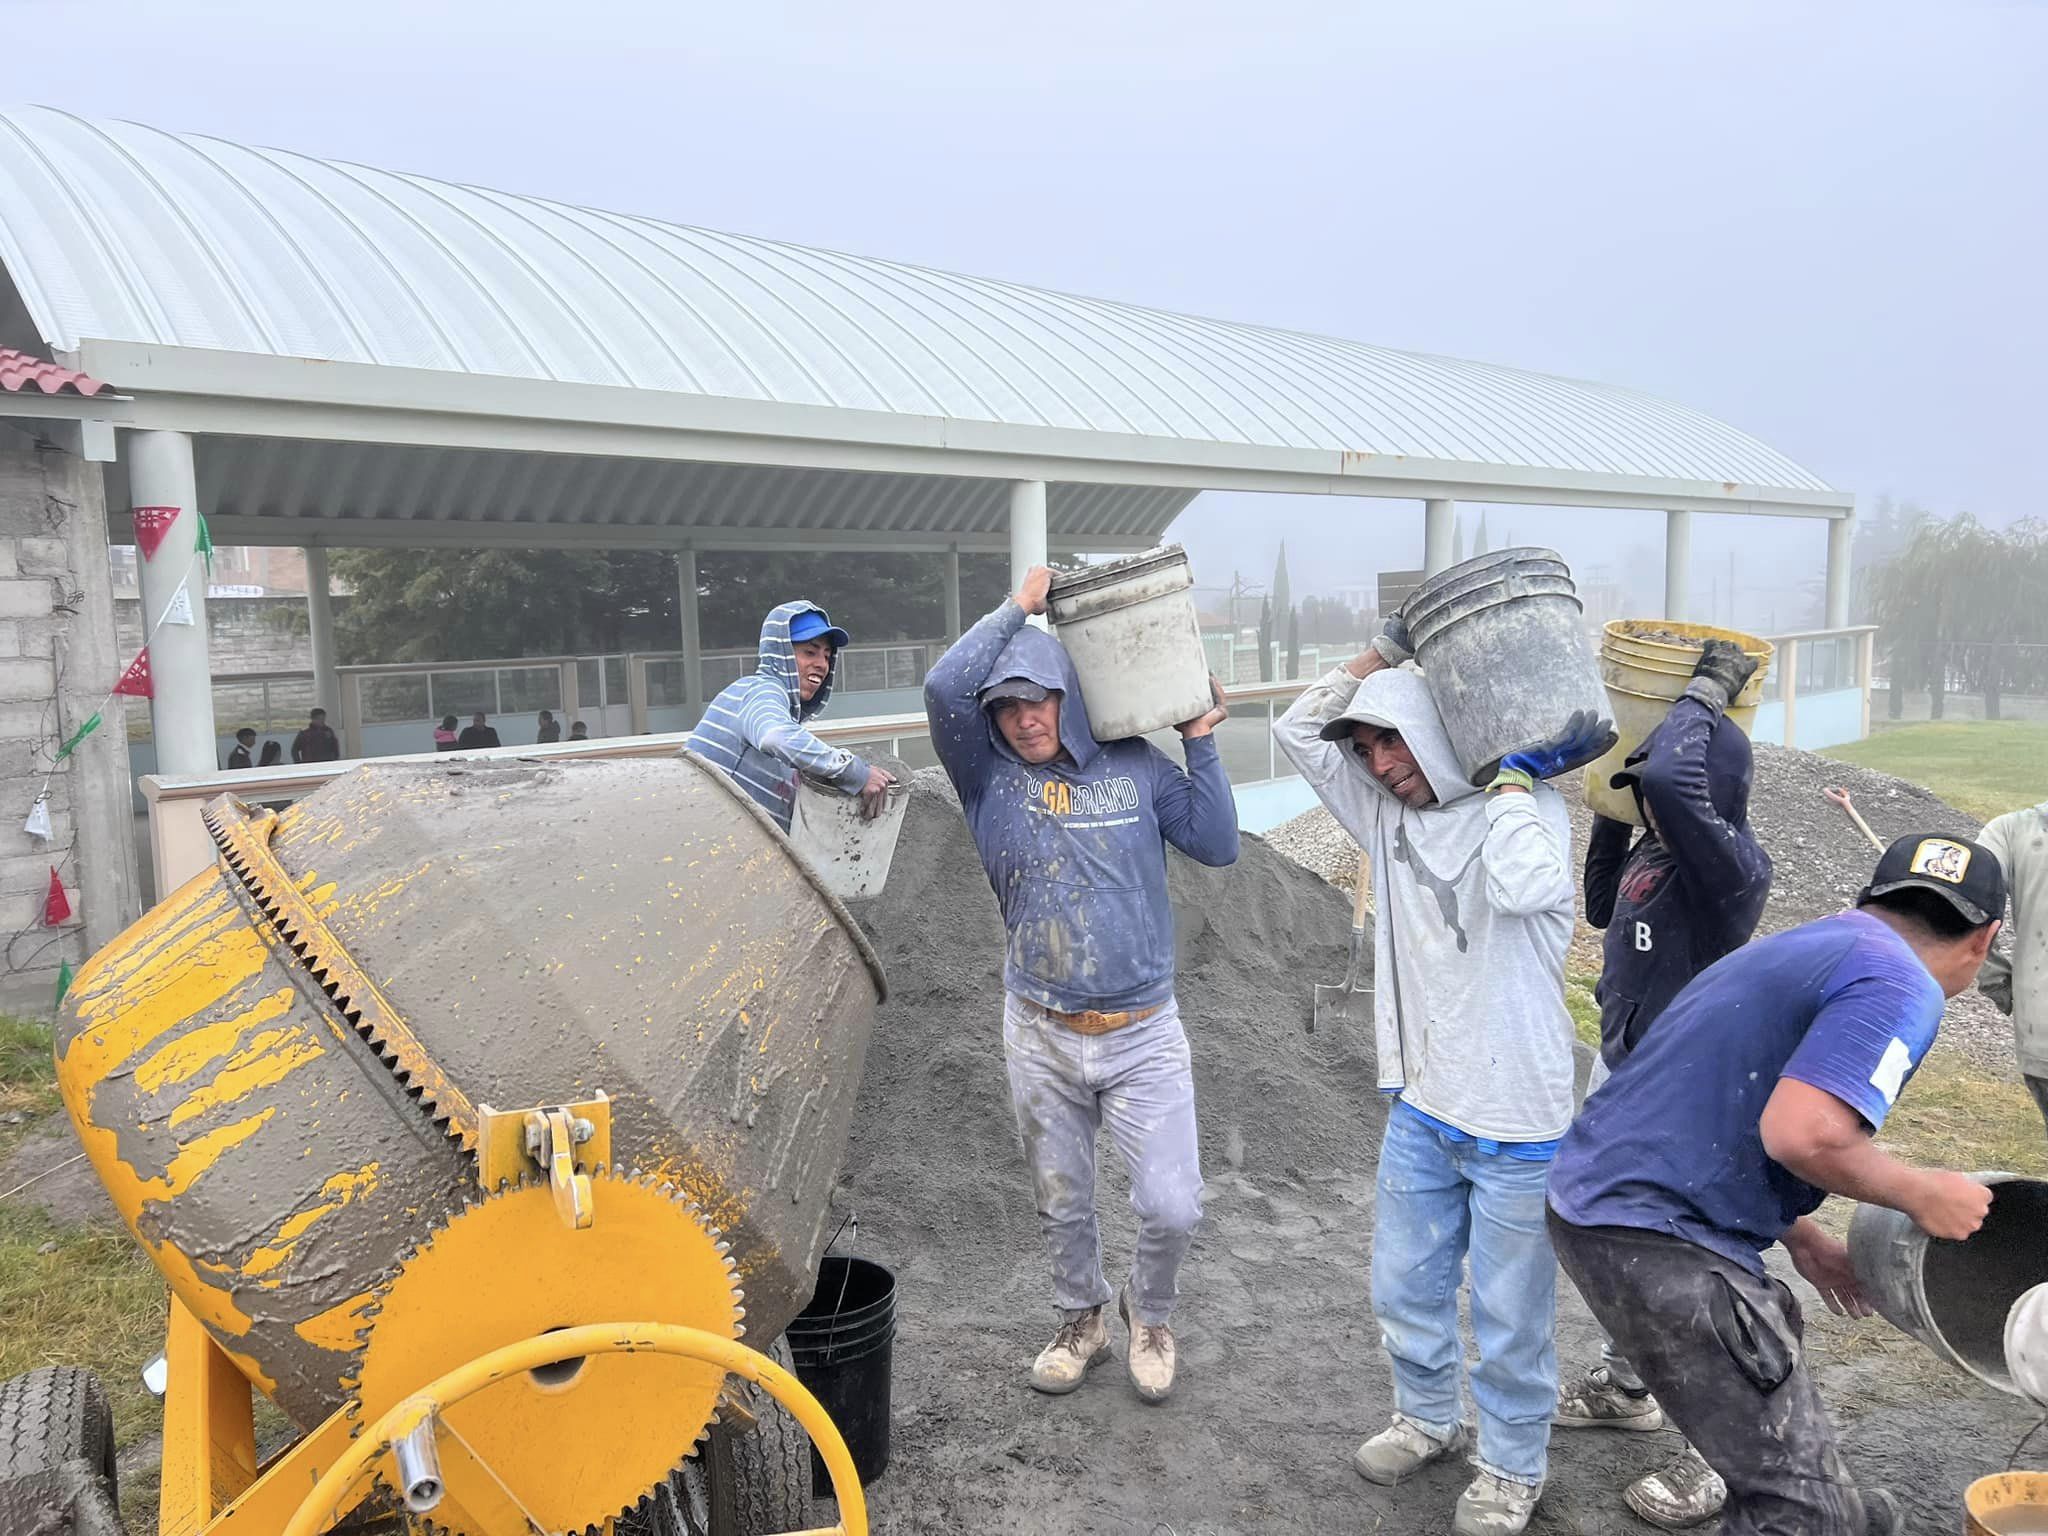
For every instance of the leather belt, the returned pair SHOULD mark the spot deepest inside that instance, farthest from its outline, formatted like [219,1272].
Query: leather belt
[1094,1023]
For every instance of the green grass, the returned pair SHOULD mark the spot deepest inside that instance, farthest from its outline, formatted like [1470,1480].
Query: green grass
[1578,997]
[28,1080]
[1983,767]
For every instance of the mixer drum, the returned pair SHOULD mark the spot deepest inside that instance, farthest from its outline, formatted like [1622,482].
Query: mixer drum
[276,1071]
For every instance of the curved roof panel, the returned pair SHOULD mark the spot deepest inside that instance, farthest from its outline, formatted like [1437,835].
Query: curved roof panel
[115,232]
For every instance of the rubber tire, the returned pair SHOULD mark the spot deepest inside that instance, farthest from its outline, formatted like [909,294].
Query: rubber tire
[759,1479]
[52,1415]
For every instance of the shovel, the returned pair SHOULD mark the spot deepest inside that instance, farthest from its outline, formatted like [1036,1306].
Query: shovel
[1345,1010]
[1841,797]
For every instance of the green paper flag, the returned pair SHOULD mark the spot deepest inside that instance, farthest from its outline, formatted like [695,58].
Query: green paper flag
[204,542]
[77,736]
[63,980]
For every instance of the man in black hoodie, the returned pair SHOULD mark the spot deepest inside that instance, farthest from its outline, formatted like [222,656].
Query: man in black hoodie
[1689,891]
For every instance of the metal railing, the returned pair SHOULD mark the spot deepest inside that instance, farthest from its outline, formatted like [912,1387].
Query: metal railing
[180,847]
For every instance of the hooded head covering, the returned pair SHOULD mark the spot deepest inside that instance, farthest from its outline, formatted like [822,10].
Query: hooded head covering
[1397,699]
[778,657]
[1730,769]
[1037,657]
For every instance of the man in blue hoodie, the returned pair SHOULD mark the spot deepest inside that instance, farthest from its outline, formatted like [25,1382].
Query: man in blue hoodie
[754,729]
[1073,834]
[1689,891]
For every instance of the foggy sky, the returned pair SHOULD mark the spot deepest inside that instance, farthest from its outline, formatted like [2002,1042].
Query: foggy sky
[1822,222]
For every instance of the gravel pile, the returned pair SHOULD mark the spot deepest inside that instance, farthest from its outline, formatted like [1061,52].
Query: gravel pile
[1820,860]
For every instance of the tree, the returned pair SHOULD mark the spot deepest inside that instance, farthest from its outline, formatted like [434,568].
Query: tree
[1479,545]
[1458,538]
[1962,602]
[1294,642]
[1265,639]
[1283,596]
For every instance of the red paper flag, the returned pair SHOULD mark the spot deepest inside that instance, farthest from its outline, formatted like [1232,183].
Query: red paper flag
[151,524]
[135,681]
[56,906]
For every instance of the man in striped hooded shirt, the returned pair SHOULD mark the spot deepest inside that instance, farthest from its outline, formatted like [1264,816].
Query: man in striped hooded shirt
[754,730]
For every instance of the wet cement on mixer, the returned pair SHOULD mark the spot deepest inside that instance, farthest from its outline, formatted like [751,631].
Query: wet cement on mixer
[1281,1369]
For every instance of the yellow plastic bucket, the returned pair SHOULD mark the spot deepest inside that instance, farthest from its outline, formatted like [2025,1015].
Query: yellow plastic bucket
[1646,664]
[2006,1504]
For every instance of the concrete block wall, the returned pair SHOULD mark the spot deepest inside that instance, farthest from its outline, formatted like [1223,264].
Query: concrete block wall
[58,657]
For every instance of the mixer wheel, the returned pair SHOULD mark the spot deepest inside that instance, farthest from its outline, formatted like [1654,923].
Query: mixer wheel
[759,1478]
[53,1415]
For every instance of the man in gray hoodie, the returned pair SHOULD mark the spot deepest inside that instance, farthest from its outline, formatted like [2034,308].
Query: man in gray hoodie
[2016,977]
[1073,834]
[1473,895]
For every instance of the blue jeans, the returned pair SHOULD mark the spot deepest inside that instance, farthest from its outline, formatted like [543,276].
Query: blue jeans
[1439,1200]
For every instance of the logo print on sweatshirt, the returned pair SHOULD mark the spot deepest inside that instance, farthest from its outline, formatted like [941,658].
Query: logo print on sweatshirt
[1107,797]
[1445,891]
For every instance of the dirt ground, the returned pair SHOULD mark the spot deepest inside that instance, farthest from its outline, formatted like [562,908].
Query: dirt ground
[1282,1373]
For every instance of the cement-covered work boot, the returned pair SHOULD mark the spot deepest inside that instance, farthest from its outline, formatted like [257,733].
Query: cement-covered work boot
[1685,1494]
[1600,1402]
[1063,1364]
[1402,1449]
[1151,1358]
[1495,1506]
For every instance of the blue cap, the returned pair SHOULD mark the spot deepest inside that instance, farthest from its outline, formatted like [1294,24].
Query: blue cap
[813,623]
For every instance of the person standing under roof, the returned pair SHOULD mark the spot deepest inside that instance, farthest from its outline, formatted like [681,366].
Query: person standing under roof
[245,743]
[1753,1099]
[754,730]
[1690,890]
[1073,832]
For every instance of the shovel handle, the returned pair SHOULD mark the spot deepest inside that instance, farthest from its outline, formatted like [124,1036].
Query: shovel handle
[1364,891]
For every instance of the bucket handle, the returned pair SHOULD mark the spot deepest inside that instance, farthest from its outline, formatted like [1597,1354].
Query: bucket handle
[1511,578]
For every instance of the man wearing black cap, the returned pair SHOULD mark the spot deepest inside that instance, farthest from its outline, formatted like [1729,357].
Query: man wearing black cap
[1689,891]
[1753,1099]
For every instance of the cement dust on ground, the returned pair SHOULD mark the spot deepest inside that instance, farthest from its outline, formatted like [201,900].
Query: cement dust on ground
[1282,1372]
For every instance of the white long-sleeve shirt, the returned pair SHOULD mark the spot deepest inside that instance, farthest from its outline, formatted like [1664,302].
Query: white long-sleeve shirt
[1474,898]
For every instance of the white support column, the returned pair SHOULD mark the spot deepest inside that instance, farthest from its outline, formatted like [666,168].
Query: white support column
[1027,532]
[320,629]
[693,645]
[181,713]
[1439,524]
[1678,565]
[953,630]
[1841,544]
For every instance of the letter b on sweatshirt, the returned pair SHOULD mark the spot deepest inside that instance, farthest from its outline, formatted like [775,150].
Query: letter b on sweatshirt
[1643,938]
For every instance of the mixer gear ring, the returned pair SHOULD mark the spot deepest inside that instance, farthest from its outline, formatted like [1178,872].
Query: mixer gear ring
[575,1446]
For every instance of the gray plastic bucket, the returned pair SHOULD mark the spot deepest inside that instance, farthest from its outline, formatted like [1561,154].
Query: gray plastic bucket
[850,854]
[1956,1297]
[1502,641]
[1136,641]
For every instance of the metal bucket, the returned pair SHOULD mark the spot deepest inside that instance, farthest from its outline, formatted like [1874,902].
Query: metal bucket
[1956,1297]
[1136,642]
[1502,642]
[849,853]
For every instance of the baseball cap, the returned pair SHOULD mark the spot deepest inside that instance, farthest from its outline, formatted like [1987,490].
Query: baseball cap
[1014,688]
[1965,874]
[1339,729]
[814,622]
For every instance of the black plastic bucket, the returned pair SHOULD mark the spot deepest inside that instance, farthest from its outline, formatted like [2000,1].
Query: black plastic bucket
[842,1345]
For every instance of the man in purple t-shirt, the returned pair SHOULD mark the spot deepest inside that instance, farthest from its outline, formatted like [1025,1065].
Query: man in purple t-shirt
[1753,1099]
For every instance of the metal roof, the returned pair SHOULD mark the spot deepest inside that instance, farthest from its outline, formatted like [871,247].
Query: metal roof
[121,234]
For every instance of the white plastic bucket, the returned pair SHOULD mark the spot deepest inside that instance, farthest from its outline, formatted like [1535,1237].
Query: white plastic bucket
[1136,641]
[850,854]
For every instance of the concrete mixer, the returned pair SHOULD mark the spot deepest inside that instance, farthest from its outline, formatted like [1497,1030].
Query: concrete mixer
[473,1111]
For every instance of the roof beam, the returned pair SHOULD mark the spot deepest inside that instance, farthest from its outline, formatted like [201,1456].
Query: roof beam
[201,391]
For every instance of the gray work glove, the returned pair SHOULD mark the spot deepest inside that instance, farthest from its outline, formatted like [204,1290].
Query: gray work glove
[1723,668]
[1392,642]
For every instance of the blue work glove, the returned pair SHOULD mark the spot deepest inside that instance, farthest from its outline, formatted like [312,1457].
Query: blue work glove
[1393,643]
[1584,737]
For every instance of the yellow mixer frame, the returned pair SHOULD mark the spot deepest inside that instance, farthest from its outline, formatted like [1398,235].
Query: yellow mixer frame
[213,1486]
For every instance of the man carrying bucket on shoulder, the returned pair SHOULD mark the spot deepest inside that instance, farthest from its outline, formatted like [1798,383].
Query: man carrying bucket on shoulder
[1753,1099]
[1473,893]
[754,729]
[1073,834]
[1689,891]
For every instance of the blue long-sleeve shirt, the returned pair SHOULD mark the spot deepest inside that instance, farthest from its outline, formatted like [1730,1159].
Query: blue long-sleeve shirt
[1685,894]
[1075,849]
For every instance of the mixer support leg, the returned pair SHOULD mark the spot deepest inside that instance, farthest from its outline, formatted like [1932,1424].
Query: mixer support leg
[209,1429]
